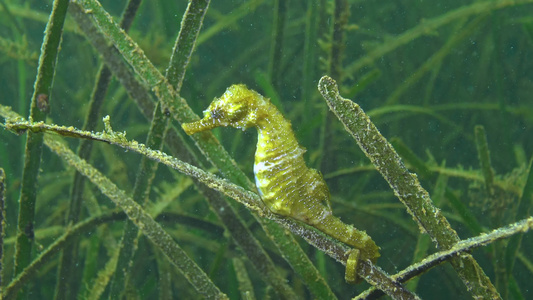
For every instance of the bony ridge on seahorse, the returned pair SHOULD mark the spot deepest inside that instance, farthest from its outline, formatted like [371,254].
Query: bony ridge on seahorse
[286,185]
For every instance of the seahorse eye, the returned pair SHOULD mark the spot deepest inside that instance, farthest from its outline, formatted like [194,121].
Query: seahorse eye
[216,114]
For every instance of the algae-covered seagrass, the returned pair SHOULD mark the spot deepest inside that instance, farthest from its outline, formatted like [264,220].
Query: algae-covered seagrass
[445,130]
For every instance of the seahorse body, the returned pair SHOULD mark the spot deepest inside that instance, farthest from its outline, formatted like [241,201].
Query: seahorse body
[286,185]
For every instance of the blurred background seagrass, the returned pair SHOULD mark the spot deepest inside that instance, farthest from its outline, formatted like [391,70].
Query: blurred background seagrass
[448,84]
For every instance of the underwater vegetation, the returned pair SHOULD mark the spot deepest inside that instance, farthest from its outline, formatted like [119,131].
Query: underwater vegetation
[416,115]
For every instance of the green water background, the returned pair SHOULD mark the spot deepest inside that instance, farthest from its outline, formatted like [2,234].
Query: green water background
[425,85]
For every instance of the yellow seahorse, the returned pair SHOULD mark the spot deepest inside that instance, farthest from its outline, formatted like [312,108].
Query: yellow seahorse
[286,185]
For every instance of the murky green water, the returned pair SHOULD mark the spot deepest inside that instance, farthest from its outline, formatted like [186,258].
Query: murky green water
[447,83]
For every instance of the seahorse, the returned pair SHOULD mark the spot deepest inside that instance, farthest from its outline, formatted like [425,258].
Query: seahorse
[284,182]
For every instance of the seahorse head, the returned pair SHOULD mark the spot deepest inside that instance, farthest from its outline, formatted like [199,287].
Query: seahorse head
[237,107]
